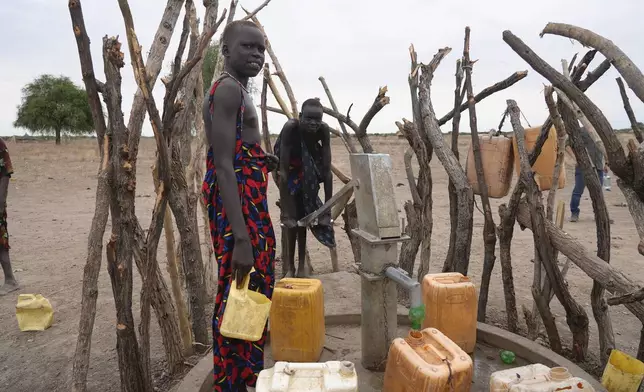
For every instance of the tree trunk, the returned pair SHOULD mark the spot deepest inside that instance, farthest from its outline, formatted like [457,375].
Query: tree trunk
[489,230]
[120,248]
[459,95]
[164,309]
[506,231]
[600,308]
[177,292]
[575,314]
[92,268]
[127,347]
[58,137]
[191,251]
[456,173]
[90,282]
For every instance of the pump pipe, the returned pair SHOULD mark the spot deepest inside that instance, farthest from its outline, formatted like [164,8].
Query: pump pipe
[417,308]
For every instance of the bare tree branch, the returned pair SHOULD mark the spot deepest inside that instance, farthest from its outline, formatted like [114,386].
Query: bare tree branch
[616,155]
[629,71]
[502,85]
[629,111]
[345,134]
[250,15]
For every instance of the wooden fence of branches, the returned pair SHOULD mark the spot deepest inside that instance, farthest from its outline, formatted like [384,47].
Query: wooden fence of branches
[526,205]
[183,322]
[178,172]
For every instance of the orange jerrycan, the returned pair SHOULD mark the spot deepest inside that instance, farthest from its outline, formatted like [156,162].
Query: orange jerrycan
[246,313]
[297,320]
[34,312]
[497,156]
[544,167]
[427,361]
[451,306]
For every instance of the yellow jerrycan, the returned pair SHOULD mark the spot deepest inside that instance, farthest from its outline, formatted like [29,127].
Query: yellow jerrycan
[623,373]
[246,313]
[34,312]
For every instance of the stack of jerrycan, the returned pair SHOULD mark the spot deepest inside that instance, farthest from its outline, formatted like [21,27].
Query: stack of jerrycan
[427,361]
[537,378]
[544,167]
[297,339]
[451,306]
[436,358]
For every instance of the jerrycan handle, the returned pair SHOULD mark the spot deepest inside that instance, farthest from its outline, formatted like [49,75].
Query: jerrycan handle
[245,282]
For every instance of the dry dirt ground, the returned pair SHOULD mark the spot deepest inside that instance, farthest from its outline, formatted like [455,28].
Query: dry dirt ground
[51,202]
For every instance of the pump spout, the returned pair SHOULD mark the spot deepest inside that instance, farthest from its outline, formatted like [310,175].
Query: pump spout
[417,308]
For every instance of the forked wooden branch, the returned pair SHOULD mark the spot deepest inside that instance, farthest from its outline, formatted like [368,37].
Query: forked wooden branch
[420,216]
[616,155]
[133,369]
[629,71]
[419,213]
[575,314]
[486,92]
[594,75]
[456,173]
[163,164]
[600,309]
[543,292]
[432,127]
[156,54]
[489,231]
[345,134]
[583,85]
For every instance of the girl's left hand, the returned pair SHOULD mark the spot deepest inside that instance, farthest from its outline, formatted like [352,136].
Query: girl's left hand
[272,161]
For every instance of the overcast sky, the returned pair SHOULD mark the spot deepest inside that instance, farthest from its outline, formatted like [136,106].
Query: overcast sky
[357,45]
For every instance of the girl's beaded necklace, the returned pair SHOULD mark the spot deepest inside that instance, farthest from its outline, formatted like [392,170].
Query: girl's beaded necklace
[235,79]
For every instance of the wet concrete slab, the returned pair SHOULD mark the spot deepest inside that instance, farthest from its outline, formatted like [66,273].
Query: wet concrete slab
[343,343]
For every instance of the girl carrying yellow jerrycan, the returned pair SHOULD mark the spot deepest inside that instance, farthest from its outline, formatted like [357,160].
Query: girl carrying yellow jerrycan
[623,373]
[246,313]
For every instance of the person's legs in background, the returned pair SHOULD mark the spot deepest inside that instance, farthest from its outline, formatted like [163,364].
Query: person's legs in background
[577,191]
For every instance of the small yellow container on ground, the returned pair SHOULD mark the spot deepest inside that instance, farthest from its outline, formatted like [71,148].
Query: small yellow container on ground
[34,312]
[622,373]
[297,320]
[246,313]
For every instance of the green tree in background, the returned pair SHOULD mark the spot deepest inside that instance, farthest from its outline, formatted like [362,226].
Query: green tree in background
[208,69]
[54,105]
